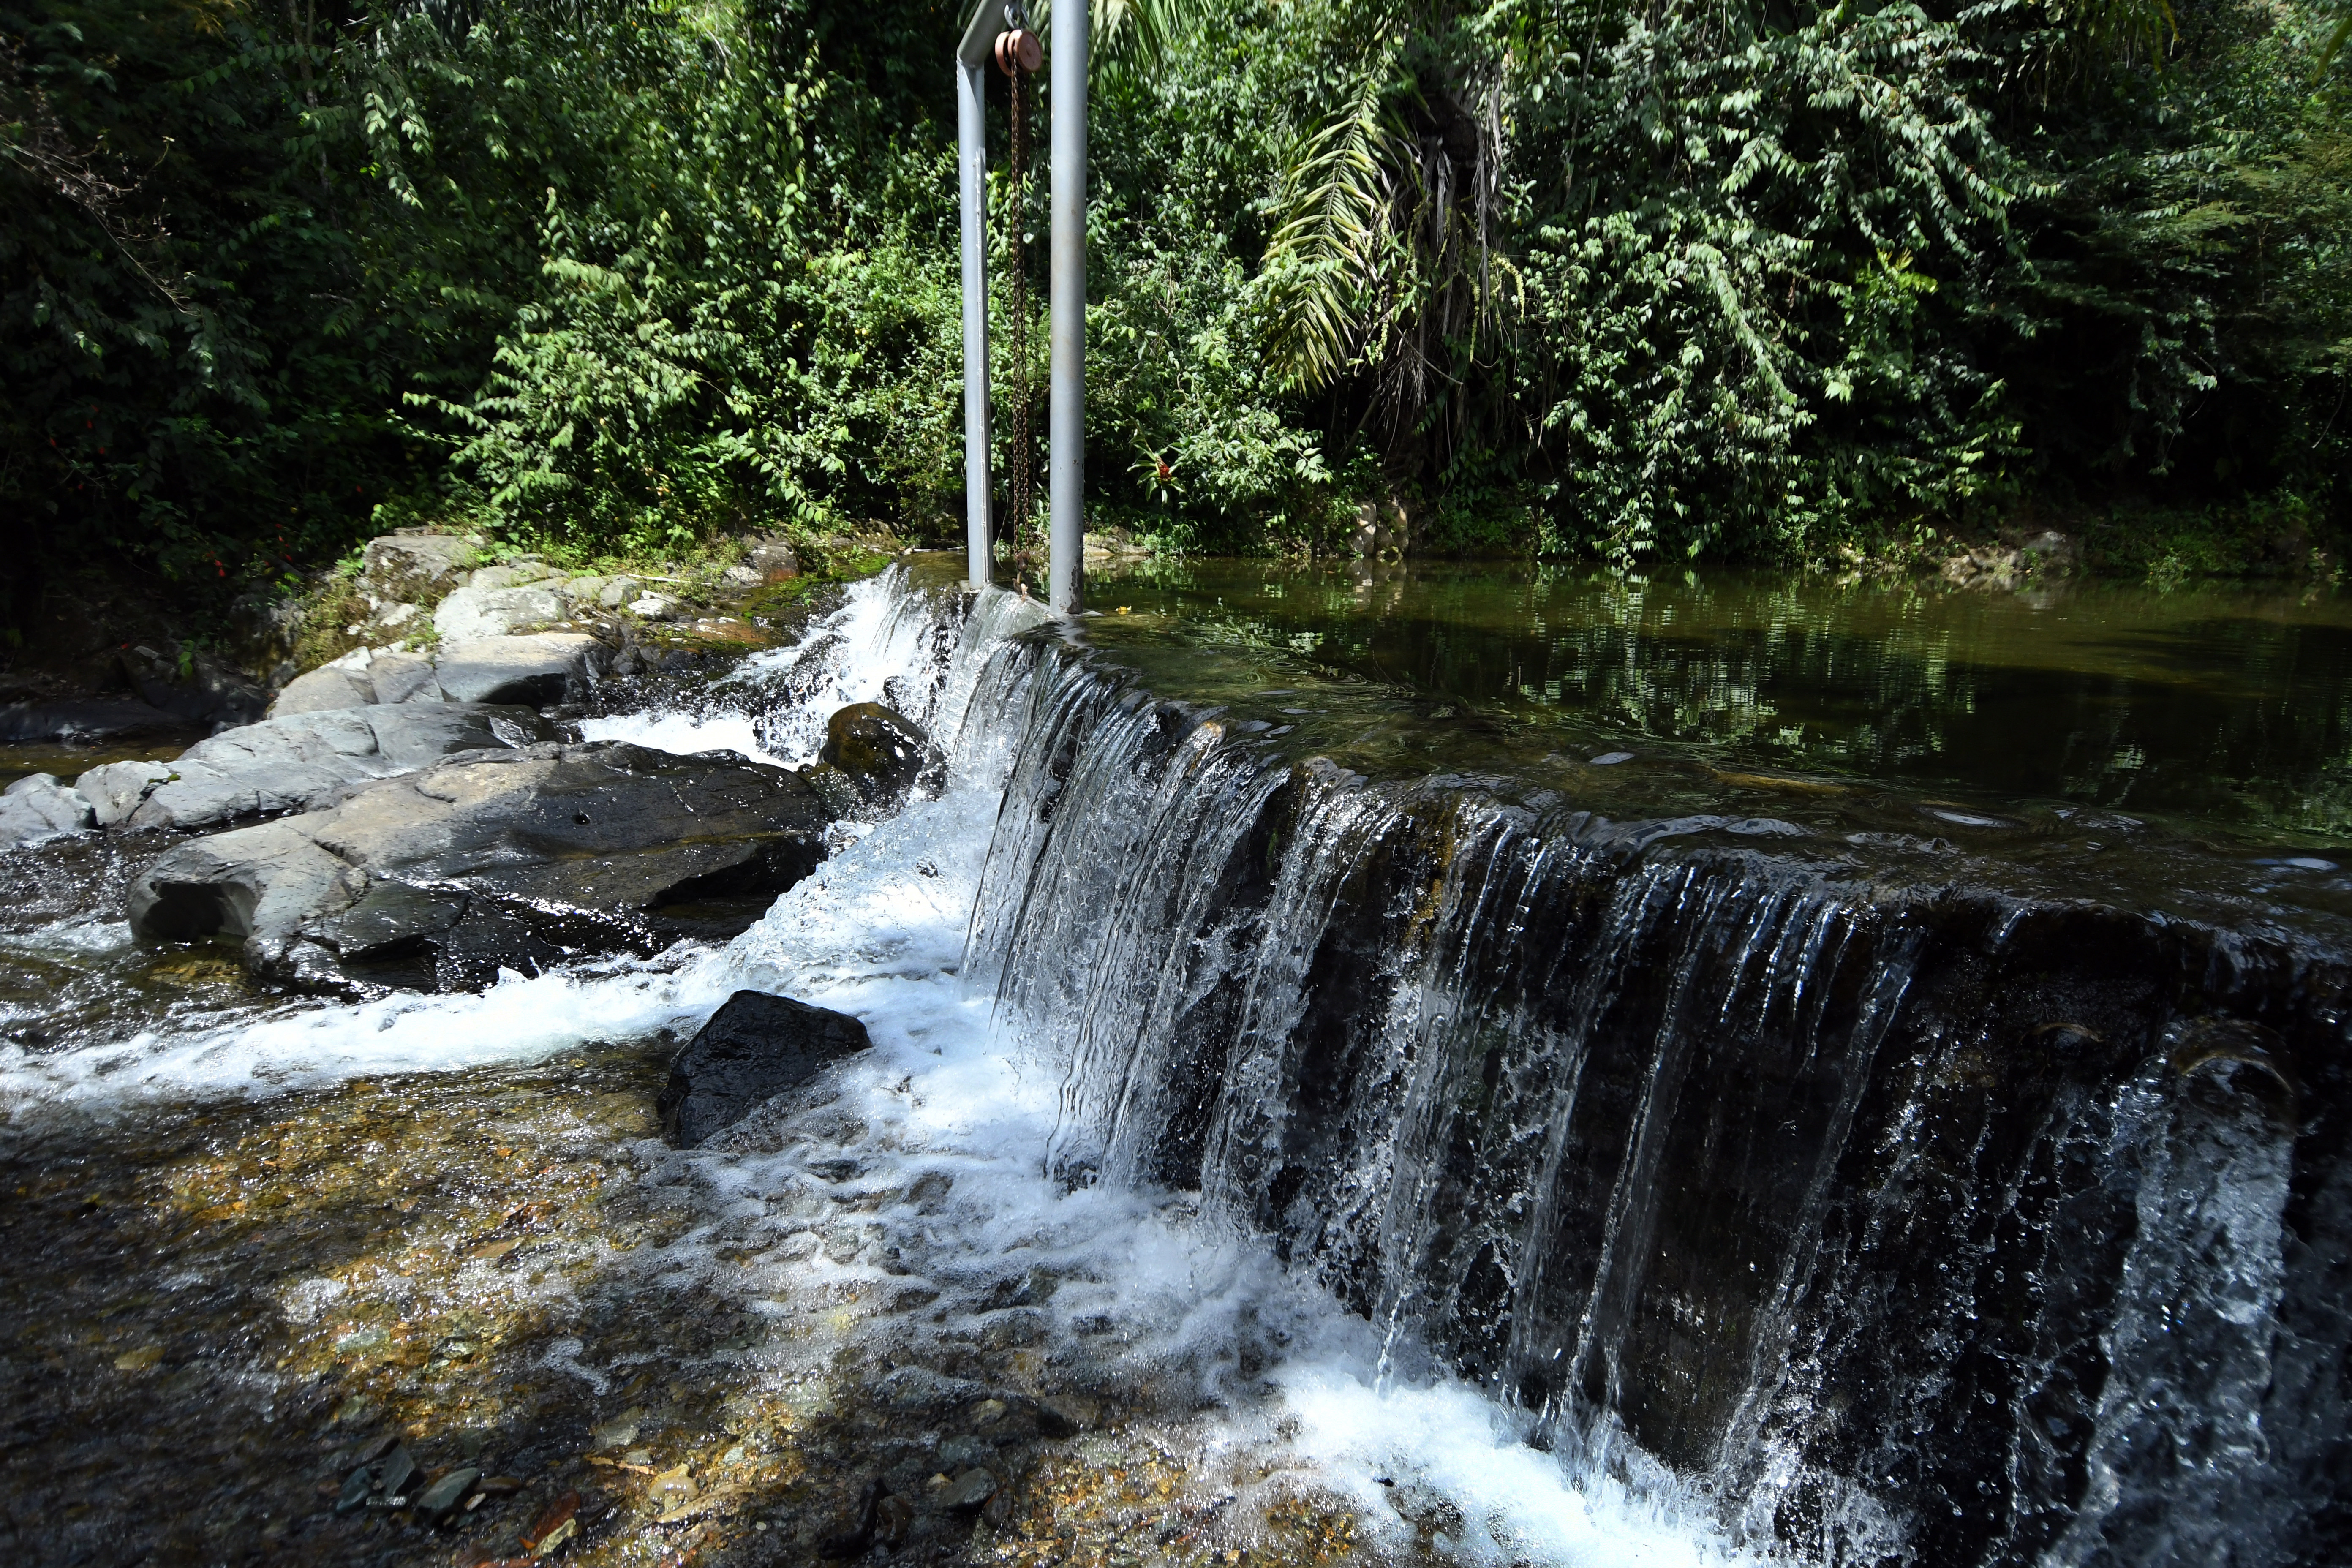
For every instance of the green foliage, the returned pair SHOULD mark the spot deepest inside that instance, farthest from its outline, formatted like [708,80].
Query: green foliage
[1689,280]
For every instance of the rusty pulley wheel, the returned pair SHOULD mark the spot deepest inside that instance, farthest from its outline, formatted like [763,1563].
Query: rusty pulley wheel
[1019,50]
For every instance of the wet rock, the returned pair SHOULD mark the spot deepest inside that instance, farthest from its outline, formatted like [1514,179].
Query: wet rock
[968,1492]
[556,1524]
[447,1492]
[859,1532]
[355,1492]
[920,1388]
[516,859]
[893,1517]
[962,1453]
[476,611]
[754,1048]
[879,751]
[398,1469]
[82,720]
[37,808]
[296,762]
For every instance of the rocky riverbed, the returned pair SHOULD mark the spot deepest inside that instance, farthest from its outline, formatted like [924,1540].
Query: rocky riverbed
[506,1278]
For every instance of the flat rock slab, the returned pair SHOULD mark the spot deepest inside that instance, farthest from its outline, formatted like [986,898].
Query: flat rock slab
[517,859]
[296,762]
[754,1048]
[535,671]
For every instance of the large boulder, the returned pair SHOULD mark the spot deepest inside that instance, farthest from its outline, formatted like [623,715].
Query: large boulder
[553,666]
[296,762]
[478,612]
[754,1048]
[489,860]
[37,808]
[536,670]
[876,752]
[413,568]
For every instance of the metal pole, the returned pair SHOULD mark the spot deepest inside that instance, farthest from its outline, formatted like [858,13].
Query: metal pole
[1066,355]
[972,184]
[971,176]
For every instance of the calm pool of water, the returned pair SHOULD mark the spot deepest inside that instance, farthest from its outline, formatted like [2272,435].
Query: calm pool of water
[2218,710]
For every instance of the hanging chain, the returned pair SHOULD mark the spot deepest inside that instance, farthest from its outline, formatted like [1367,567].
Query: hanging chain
[1018,450]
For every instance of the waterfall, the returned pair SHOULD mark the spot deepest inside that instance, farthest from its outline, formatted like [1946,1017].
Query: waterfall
[1889,1212]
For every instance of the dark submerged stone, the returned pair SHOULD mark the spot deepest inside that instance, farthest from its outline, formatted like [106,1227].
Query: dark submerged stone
[753,1049]
[877,751]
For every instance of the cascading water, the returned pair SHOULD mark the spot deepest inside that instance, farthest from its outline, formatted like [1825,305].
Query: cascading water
[1560,1189]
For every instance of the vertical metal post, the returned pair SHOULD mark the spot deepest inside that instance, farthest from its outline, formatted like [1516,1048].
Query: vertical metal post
[1066,354]
[971,177]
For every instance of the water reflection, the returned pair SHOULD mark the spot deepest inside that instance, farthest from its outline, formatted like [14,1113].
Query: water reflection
[2222,707]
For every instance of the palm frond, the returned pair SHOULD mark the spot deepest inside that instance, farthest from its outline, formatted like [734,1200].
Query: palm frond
[1339,221]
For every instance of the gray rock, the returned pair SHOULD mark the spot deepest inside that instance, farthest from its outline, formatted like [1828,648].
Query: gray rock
[447,1492]
[115,789]
[394,619]
[654,607]
[920,1388]
[619,591]
[514,859]
[355,1491]
[773,558]
[399,1469]
[191,685]
[325,689]
[754,1048]
[37,808]
[968,1492]
[404,678]
[963,1451]
[299,761]
[414,568]
[496,611]
[553,666]
[521,570]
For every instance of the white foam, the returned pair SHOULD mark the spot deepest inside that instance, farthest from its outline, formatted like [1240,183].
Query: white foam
[309,1045]
[685,733]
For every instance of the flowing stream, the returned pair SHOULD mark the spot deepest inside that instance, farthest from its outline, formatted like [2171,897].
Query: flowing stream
[1433,1126]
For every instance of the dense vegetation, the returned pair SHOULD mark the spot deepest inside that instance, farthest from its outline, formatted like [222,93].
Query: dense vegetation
[1693,277]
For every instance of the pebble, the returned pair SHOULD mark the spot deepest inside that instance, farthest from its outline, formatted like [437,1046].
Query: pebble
[556,1524]
[968,1492]
[399,1469]
[447,1492]
[354,1494]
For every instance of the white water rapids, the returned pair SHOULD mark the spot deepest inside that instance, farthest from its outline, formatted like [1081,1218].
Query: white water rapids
[959,1085]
